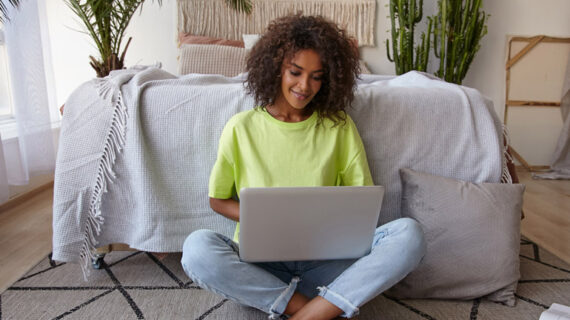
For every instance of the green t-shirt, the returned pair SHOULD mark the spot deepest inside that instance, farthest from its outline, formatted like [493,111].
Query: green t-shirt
[257,150]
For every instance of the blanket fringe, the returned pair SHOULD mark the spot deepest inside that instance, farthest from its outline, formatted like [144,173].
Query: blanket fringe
[506,176]
[114,143]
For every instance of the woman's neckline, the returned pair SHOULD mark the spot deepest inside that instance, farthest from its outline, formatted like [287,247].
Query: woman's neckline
[295,124]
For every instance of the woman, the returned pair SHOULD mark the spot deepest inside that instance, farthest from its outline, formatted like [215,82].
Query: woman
[302,73]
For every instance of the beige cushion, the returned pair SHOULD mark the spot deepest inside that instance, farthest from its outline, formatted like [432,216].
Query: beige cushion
[472,234]
[211,59]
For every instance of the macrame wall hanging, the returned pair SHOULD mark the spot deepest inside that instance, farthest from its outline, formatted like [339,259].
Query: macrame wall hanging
[215,19]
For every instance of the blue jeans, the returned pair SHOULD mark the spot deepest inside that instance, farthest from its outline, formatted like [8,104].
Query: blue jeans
[212,261]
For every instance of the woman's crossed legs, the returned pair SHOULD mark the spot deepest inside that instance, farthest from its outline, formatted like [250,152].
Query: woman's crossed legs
[336,287]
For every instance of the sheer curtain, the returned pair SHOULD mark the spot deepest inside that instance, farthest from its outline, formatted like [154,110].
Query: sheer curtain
[34,152]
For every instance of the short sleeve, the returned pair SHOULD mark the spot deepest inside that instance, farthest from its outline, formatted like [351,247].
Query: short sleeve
[356,171]
[222,178]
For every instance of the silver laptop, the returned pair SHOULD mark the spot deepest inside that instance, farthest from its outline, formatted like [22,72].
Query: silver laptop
[307,223]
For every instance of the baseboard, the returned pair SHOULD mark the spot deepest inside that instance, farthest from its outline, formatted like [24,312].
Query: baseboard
[519,167]
[25,197]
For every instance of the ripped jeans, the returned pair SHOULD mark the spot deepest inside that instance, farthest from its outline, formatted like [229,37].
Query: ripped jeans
[212,261]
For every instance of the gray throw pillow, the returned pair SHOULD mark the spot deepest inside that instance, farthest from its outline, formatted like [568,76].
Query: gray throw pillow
[473,238]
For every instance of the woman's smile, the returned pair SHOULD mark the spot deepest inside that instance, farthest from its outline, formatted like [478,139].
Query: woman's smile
[301,80]
[300,96]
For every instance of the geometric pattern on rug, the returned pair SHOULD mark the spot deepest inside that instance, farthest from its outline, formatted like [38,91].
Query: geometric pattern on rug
[137,285]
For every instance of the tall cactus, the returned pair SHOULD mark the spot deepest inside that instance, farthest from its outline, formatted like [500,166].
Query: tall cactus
[459,26]
[407,14]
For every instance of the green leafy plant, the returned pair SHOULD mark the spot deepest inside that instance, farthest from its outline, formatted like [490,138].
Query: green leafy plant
[240,5]
[105,21]
[459,27]
[404,15]
[455,32]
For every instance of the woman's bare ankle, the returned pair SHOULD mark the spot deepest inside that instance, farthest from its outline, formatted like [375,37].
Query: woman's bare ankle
[297,302]
[318,308]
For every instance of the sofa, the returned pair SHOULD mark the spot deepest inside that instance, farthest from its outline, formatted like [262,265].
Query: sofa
[136,149]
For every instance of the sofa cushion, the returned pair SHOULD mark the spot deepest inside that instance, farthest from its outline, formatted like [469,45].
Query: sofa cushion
[472,234]
[211,59]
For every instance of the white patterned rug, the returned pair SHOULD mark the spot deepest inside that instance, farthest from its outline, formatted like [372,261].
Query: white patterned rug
[137,285]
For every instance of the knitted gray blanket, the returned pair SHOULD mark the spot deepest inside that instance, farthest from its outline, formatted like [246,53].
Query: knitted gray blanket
[136,150]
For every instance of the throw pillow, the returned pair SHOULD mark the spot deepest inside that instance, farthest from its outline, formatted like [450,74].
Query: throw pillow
[211,59]
[250,40]
[473,238]
[187,38]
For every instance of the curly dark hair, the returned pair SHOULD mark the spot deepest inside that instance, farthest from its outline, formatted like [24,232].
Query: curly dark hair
[286,36]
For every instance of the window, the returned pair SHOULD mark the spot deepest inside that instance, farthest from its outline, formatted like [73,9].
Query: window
[6,108]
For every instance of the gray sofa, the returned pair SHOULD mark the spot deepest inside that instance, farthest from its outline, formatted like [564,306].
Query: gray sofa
[136,149]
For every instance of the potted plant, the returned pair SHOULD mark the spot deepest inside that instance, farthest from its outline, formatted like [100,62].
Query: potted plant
[404,15]
[458,29]
[455,31]
[105,21]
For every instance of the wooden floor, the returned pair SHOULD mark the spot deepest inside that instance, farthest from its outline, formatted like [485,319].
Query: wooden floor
[25,236]
[547,213]
[25,230]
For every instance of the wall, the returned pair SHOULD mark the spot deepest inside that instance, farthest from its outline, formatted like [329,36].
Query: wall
[534,131]
[154,39]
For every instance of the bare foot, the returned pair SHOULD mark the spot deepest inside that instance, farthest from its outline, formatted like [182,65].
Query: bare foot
[160,255]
